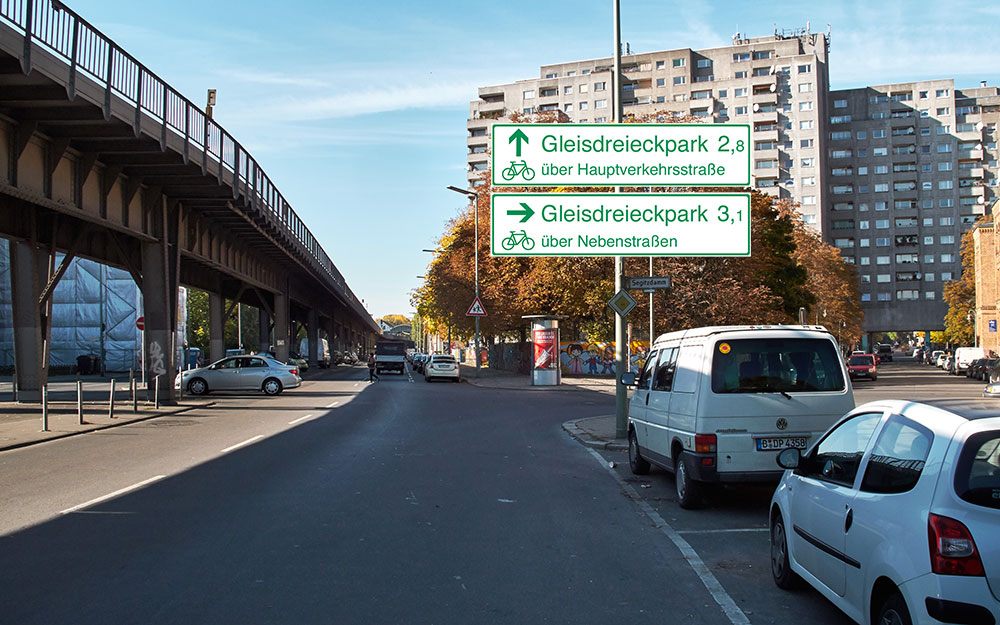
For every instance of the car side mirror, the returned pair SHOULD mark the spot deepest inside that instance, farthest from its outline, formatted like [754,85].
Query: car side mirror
[789,458]
[628,379]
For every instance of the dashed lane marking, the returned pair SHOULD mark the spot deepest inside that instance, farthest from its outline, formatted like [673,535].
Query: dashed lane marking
[113,495]
[246,442]
[300,419]
[333,404]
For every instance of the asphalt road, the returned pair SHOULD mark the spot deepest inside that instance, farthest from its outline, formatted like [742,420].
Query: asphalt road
[393,502]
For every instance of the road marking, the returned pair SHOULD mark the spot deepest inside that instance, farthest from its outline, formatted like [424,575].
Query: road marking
[113,495]
[356,384]
[729,607]
[742,529]
[333,404]
[246,442]
[293,422]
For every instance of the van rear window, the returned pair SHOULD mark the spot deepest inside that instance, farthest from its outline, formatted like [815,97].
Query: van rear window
[390,349]
[775,365]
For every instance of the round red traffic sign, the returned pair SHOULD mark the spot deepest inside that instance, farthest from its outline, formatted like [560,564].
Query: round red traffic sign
[140,323]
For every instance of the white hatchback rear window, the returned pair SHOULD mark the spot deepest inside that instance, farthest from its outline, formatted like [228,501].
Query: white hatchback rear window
[977,477]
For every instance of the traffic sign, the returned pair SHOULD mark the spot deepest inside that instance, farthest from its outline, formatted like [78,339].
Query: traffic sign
[645,155]
[140,323]
[476,310]
[649,284]
[622,303]
[626,224]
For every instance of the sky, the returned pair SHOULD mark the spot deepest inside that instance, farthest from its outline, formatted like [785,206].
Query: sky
[357,110]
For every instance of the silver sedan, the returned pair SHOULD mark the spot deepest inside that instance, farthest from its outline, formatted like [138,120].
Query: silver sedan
[240,373]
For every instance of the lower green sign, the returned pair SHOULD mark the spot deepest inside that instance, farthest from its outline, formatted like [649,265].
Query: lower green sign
[620,224]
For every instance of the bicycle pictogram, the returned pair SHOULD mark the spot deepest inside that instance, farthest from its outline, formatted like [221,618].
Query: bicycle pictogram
[518,237]
[518,168]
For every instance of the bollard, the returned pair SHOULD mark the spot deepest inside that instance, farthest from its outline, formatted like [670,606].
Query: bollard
[45,407]
[135,393]
[156,393]
[111,401]
[180,392]
[131,385]
[79,402]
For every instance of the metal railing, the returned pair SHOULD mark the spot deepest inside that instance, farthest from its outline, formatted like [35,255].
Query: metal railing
[52,26]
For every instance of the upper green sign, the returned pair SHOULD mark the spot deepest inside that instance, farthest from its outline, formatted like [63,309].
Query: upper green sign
[633,155]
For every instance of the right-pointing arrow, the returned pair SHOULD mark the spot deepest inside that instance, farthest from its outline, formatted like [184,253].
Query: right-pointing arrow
[527,212]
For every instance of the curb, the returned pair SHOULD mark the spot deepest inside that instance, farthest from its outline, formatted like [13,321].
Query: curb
[104,427]
[583,437]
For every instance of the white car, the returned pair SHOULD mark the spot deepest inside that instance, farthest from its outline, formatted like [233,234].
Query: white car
[894,514]
[442,366]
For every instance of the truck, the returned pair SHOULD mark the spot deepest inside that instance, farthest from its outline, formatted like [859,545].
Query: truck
[390,356]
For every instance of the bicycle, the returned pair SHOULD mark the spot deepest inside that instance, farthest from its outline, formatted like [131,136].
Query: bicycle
[516,168]
[516,238]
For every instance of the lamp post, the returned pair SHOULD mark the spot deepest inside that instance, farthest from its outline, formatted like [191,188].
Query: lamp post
[474,198]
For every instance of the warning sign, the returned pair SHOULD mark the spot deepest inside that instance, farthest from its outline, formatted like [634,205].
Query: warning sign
[476,310]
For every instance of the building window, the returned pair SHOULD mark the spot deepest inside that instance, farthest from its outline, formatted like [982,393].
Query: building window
[881,260]
[704,63]
[878,133]
[568,90]
[527,95]
[882,278]
[723,93]
[583,88]
[808,162]
[739,57]
[805,69]
[806,106]
[881,206]
[885,297]
[947,239]
[739,92]
[942,93]
[660,64]
[865,260]
[600,104]
[552,75]
[600,86]
[808,200]
[806,124]
[946,221]
[680,62]
[880,152]
[881,241]
[805,87]
[840,104]
[943,110]
[882,223]
[568,107]
[947,258]
[808,181]
[882,187]
[840,154]
[661,82]
[840,135]
[866,297]
[945,276]
[928,294]
[680,80]
[741,110]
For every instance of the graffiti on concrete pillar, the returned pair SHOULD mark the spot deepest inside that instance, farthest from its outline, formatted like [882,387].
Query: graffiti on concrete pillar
[156,365]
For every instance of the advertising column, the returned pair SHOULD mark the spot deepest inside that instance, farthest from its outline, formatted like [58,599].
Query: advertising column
[545,353]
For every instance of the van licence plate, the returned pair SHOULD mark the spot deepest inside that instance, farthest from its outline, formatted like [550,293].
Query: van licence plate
[781,442]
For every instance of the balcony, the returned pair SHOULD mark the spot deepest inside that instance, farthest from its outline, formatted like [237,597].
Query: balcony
[975,155]
[764,98]
[476,141]
[976,172]
[769,79]
[767,135]
[765,117]
[490,92]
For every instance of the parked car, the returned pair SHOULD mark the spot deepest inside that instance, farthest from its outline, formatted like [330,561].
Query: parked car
[240,373]
[940,360]
[948,364]
[442,366]
[863,365]
[294,358]
[893,515]
[976,369]
[418,362]
[933,359]
[885,353]
[985,368]
[716,404]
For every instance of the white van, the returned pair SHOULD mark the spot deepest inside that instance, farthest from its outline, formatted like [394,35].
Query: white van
[965,356]
[716,404]
[322,351]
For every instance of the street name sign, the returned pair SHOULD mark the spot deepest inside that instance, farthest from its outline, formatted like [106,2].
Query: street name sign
[639,155]
[649,284]
[476,310]
[625,224]
[622,303]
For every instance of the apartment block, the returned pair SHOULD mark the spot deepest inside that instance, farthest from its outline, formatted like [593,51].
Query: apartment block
[911,167]
[778,84]
[892,174]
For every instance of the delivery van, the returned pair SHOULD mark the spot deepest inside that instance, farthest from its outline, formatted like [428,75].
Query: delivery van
[965,356]
[323,358]
[717,404]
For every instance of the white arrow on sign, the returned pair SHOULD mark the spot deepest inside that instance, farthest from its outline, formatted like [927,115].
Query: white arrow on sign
[476,310]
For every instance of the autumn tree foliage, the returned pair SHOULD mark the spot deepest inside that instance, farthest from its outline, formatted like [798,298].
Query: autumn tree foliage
[960,294]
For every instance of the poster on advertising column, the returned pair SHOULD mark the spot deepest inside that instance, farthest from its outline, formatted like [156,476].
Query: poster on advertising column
[546,346]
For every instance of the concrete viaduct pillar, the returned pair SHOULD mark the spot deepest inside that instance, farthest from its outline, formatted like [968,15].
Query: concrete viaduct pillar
[216,327]
[27,266]
[312,334]
[159,297]
[281,326]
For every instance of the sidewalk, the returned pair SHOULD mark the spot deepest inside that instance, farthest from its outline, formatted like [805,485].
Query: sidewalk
[597,432]
[21,424]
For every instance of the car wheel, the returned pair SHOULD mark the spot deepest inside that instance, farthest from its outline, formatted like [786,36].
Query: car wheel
[636,463]
[197,386]
[271,386]
[874,377]
[894,612]
[784,577]
[688,490]
[427,379]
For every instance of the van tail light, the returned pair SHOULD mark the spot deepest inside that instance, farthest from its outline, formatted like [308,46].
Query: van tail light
[953,551]
[705,443]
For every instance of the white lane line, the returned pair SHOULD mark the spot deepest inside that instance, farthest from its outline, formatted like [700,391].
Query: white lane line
[333,404]
[742,529]
[356,384]
[246,442]
[729,607]
[113,495]
[293,422]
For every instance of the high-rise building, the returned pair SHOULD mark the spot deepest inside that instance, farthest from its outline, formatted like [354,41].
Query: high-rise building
[892,175]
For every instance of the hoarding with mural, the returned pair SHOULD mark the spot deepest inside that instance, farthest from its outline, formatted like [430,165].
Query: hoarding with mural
[597,358]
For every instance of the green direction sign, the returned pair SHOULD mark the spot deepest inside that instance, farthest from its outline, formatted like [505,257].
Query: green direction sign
[620,224]
[641,155]
[622,303]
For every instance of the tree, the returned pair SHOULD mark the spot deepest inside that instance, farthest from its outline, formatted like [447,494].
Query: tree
[960,294]
[395,320]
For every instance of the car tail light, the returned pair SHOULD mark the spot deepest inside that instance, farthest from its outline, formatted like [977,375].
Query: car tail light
[953,551]
[294,371]
[705,443]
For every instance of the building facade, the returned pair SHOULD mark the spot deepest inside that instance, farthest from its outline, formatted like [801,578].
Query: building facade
[892,175]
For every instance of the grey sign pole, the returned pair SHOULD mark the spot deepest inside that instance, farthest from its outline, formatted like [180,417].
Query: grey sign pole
[621,405]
